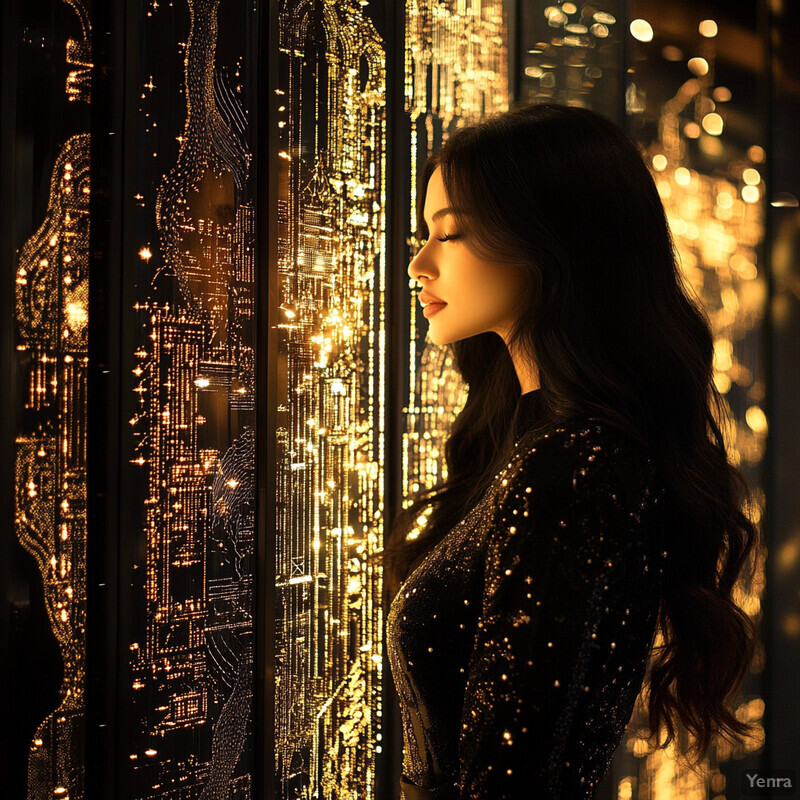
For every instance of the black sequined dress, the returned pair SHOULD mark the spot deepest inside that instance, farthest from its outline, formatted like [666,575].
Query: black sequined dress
[518,644]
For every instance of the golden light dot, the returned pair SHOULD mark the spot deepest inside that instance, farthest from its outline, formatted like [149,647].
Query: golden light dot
[712,123]
[145,254]
[756,154]
[605,18]
[697,66]
[682,176]
[691,130]
[722,94]
[672,53]
[750,194]
[751,176]
[642,30]
[724,200]
[659,162]
[569,8]
[756,419]
[708,28]
[150,751]
[555,16]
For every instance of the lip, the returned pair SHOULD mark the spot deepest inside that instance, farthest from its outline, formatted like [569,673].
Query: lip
[431,301]
[432,308]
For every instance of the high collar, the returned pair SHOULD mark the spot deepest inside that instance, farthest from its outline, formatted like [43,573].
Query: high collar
[528,411]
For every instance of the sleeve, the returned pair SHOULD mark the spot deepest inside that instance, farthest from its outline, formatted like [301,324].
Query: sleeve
[567,620]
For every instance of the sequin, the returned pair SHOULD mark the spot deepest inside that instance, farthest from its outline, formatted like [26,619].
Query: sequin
[529,625]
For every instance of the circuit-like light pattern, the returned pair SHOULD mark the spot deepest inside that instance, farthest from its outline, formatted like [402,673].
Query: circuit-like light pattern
[52,327]
[331,395]
[51,315]
[456,72]
[192,672]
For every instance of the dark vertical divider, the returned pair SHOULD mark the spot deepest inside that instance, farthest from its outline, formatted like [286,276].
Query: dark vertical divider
[782,712]
[13,748]
[103,402]
[266,398]
[398,159]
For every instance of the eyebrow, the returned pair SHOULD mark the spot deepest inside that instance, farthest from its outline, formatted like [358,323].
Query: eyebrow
[442,212]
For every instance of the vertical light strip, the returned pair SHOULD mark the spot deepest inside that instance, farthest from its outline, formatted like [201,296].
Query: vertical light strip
[445,48]
[332,394]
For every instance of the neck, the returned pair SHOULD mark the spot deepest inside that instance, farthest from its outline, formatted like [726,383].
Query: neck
[526,369]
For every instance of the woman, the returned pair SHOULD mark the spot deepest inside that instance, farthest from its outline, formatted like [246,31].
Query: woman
[589,503]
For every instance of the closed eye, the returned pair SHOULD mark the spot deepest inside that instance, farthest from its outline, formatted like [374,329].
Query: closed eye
[448,237]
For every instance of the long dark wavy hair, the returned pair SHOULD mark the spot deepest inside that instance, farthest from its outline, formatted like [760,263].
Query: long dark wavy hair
[565,196]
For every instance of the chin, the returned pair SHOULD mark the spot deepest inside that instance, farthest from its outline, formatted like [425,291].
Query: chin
[441,339]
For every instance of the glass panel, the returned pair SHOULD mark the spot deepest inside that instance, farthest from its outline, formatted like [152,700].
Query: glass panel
[49,204]
[331,399]
[452,79]
[187,541]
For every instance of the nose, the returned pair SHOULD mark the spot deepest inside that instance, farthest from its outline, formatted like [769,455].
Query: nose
[422,266]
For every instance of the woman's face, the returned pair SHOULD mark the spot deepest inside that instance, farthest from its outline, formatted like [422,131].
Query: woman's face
[471,296]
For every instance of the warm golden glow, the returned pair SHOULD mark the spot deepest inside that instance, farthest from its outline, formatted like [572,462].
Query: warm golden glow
[712,123]
[52,291]
[708,28]
[191,463]
[659,162]
[446,38]
[331,275]
[717,226]
[698,66]
[642,30]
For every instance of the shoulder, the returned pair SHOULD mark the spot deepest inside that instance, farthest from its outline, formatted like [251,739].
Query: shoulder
[580,458]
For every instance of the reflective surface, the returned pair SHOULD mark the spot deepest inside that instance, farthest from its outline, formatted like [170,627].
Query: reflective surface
[331,412]
[452,79]
[188,535]
[51,321]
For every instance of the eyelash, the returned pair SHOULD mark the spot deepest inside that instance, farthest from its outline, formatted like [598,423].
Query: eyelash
[446,238]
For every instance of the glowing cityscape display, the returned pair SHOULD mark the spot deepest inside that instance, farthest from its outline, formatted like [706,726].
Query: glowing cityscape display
[191,663]
[456,72]
[331,405]
[52,293]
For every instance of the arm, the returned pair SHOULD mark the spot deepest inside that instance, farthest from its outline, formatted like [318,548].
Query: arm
[571,591]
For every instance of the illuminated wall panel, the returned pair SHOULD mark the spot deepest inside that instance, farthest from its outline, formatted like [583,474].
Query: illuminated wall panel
[331,400]
[456,72]
[51,321]
[188,470]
